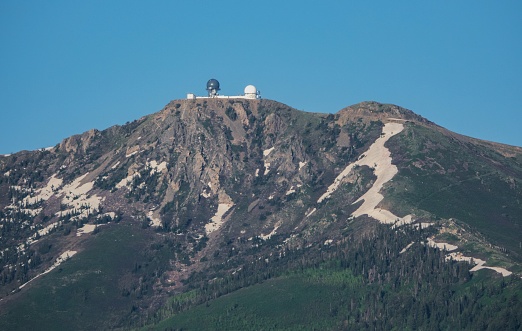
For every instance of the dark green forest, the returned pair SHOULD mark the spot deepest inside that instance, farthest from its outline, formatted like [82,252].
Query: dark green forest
[360,284]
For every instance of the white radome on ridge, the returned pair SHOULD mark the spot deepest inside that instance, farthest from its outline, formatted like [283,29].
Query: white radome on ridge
[250,91]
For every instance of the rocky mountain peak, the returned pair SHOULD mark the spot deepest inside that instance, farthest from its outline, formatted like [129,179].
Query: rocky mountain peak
[207,189]
[373,110]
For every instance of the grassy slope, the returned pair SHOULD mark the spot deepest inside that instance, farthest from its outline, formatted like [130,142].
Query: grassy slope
[336,299]
[86,292]
[457,179]
[294,302]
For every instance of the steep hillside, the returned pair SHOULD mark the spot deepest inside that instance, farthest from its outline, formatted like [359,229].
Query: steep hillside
[211,195]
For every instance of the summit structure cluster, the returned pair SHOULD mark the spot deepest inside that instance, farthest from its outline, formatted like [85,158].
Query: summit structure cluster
[250,92]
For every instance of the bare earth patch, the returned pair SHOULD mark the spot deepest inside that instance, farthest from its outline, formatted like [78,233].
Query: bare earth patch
[479,264]
[217,219]
[87,228]
[378,157]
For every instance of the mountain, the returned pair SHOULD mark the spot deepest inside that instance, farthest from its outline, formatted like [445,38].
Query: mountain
[373,216]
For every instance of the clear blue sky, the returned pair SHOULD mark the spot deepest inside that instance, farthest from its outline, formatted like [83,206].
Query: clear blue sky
[69,66]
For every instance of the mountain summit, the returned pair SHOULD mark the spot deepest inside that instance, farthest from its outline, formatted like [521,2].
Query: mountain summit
[209,196]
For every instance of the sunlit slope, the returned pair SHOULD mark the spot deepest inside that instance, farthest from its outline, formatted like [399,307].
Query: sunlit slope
[451,176]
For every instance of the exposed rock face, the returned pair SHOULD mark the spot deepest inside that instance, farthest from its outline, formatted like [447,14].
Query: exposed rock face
[224,177]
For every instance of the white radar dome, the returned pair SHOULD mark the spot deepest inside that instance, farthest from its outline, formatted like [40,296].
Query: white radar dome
[250,89]
[251,92]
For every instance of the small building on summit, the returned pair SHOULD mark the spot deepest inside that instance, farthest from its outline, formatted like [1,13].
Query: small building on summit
[213,88]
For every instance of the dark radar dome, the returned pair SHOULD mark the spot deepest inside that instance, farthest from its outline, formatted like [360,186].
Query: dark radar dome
[213,84]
